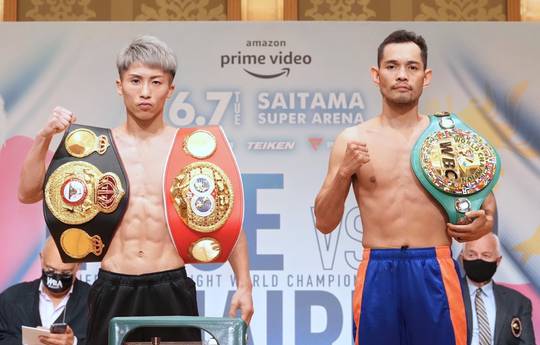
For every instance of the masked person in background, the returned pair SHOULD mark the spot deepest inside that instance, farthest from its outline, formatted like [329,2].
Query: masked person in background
[57,297]
[496,314]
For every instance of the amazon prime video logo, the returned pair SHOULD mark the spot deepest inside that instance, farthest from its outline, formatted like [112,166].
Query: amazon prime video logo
[265,59]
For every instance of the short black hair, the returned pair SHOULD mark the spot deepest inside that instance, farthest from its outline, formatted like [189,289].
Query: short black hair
[404,36]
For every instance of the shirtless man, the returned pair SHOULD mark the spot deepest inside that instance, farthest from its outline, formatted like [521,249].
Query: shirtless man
[407,289]
[141,263]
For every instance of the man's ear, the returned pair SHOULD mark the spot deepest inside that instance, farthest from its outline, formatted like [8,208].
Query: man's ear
[171,90]
[427,77]
[375,75]
[119,87]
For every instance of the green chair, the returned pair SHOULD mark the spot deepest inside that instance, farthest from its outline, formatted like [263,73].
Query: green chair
[227,331]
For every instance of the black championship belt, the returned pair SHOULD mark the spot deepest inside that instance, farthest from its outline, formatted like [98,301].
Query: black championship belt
[85,193]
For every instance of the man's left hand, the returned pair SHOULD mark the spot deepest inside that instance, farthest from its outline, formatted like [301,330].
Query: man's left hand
[58,338]
[479,225]
[242,300]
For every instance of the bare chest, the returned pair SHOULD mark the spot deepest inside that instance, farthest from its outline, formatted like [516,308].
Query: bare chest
[144,165]
[389,164]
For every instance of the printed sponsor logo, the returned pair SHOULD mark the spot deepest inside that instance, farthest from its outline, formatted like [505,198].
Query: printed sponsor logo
[271,145]
[265,64]
[315,142]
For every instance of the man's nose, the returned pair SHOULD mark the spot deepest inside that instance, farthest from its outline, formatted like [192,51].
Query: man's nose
[402,73]
[145,91]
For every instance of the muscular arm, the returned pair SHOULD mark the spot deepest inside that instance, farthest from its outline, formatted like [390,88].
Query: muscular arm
[33,170]
[242,299]
[345,159]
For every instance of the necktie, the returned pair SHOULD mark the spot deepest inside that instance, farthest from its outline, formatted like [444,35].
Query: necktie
[484,333]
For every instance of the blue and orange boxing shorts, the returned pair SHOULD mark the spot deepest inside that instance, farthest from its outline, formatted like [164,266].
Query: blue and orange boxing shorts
[408,297]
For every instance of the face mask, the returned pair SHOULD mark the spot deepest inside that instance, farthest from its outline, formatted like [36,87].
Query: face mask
[55,282]
[479,270]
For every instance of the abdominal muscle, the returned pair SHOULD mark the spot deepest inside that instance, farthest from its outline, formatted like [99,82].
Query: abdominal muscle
[396,222]
[142,243]
[395,209]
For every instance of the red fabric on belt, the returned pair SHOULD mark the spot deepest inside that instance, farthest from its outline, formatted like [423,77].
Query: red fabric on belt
[183,236]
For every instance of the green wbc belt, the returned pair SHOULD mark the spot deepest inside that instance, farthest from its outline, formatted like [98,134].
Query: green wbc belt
[455,164]
[85,193]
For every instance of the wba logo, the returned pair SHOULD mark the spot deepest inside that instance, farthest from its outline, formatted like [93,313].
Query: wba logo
[53,283]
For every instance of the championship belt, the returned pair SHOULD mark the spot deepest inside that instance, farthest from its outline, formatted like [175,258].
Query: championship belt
[85,193]
[455,164]
[203,195]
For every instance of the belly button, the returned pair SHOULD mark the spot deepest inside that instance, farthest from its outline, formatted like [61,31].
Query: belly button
[140,253]
[372,179]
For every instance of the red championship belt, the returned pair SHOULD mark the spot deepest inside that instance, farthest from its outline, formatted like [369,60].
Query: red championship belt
[203,195]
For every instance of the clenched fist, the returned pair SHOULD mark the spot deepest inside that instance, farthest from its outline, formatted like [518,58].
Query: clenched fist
[59,120]
[356,155]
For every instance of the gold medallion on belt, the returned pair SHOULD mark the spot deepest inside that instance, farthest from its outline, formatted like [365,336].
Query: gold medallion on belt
[78,244]
[458,162]
[82,142]
[77,191]
[203,196]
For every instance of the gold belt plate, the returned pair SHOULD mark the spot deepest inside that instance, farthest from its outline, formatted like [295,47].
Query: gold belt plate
[458,162]
[203,196]
[77,191]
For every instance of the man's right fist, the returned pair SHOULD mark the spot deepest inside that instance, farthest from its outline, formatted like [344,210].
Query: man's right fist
[356,155]
[59,121]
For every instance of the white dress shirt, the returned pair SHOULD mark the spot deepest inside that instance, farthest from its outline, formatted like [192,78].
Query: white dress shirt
[491,309]
[48,312]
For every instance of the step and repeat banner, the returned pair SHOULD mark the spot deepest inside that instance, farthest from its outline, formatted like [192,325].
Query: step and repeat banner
[282,92]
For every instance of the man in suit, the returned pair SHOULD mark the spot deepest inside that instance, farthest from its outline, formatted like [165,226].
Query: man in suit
[57,297]
[496,315]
